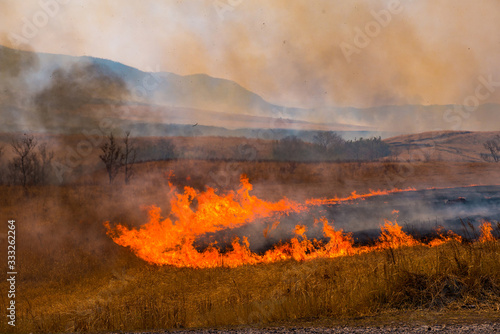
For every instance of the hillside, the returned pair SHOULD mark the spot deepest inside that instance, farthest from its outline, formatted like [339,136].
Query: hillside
[65,95]
[463,146]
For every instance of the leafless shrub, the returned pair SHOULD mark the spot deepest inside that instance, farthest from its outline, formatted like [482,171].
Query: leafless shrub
[129,156]
[31,161]
[112,157]
[492,145]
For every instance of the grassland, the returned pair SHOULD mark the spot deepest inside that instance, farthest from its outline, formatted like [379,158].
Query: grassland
[72,277]
[137,296]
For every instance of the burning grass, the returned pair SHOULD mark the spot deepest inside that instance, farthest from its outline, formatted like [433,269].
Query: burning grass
[132,295]
[171,240]
[75,278]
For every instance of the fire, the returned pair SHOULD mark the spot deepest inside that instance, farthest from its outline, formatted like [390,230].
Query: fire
[300,230]
[270,228]
[392,236]
[442,238]
[354,196]
[340,243]
[165,241]
[171,240]
[486,234]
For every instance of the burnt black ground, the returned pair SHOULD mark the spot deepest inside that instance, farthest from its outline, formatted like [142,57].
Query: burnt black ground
[418,212]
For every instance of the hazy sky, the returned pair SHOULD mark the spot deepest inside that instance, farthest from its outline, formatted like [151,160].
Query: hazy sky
[292,52]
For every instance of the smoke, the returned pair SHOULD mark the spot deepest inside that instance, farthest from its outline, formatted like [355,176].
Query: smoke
[16,72]
[15,69]
[79,85]
[71,89]
[41,92]
[293,53]
[289,52]
[418,212]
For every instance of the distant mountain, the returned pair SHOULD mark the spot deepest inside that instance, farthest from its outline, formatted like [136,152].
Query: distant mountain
[57,93]
[182,130]
[417,118]
[66,94]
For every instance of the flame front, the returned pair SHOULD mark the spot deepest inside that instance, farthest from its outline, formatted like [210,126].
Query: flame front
[354,195]
[163,241]
[169,241]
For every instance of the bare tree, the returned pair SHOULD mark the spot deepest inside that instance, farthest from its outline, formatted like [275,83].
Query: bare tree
[112,157]
[290,148]
[327,139]
[23,166]
[30,163]
[493,146]
[46,158]
[408,147]
[129,155]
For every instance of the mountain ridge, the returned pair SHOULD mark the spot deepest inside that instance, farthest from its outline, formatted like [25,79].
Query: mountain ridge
[52,88]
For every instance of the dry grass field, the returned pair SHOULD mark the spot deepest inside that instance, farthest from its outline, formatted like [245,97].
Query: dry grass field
[442,145]
[74,278]
[301,181]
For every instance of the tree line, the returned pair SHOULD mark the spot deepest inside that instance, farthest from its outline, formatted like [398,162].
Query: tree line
[30,162]
[329,146]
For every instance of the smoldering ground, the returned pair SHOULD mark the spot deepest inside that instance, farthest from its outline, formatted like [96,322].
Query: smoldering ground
[420,213]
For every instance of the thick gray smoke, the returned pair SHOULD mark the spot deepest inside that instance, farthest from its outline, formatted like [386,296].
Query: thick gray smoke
[293,53]
[81,84]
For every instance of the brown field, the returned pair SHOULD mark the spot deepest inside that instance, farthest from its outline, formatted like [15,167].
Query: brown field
[443,145]
[72,277]
[274,180]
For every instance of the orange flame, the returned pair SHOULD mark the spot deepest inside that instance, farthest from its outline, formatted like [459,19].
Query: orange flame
[300,230]
[354,196]
[170,241]
[339,244]
[442,238]
[392,236]
[163,241]
[270,228]
[486,232]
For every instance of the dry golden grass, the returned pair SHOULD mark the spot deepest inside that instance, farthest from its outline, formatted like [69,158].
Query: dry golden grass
[74,278]
[273,180]
[441,145]
[137,296]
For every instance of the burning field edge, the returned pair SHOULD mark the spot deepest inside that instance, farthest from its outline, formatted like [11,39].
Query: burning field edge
[74,278]
[171,240]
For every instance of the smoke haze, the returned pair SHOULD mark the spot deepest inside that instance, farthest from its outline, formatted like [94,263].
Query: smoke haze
[287,52]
